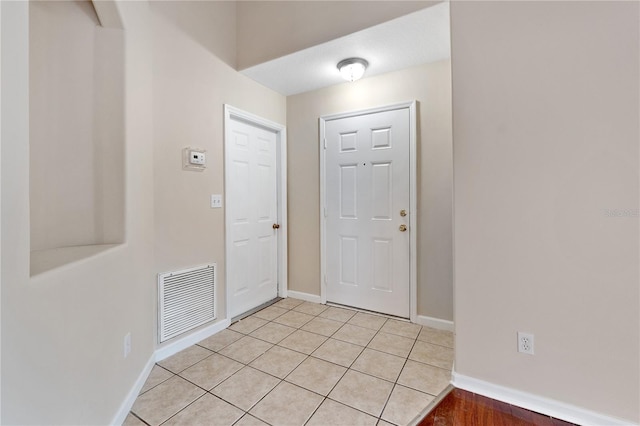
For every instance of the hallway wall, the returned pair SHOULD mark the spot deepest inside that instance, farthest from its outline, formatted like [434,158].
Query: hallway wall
[430,85]
[63,330]
[546,130]
[191,84]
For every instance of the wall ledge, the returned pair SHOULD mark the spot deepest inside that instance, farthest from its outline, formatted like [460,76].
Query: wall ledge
[108,13]
[46,260]
[537,403]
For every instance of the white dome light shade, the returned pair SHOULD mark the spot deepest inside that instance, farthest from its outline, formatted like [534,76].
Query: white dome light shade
[352,69]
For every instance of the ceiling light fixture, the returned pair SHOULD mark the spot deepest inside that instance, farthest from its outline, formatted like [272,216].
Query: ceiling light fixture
[352,69]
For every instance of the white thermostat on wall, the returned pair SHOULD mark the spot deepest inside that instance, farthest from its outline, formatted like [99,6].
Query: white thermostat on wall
[194,159]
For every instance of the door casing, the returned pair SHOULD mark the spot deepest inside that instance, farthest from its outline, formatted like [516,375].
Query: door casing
[232,113]
[413,204]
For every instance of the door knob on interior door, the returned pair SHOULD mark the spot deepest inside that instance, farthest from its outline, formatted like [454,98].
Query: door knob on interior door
[403,228]
[276,226]
[403,212]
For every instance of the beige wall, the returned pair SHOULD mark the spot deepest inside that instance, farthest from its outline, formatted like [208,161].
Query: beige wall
[76,127]
[1,117]
[546,110]
[546,128]
[270,29]
[62,331]
[210,24]
[430,85]
[191,84]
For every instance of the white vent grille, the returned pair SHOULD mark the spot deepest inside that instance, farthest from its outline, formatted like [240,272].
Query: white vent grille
[187,299]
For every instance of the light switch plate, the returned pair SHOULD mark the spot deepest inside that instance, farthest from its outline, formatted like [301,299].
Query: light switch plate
[216,201]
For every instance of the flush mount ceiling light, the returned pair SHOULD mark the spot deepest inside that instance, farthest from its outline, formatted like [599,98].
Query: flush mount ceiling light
[352,69]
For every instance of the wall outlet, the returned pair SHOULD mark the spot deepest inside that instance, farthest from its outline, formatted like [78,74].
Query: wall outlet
[525,343]
[127,344]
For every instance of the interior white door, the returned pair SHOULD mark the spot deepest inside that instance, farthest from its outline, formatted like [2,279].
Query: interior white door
[367,190]
[252,211]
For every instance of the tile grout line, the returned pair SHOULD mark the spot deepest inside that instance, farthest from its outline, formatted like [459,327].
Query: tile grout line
[350,368]
[282,380]
[398,378]
[154,386]
[245,412]
[139,418]
[325,397]
[379,417]
[347,369]
[185,407]
[317,315]
[183,378]
[200,387]
[379,330]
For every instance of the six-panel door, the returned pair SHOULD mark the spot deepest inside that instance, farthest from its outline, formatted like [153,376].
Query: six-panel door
[252,210]
[367,187]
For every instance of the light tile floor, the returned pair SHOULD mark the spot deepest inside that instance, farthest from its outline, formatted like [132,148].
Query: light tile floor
[299,363]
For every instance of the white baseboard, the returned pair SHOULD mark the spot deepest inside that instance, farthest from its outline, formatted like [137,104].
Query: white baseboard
[283,292]
[438,323]
[128,402]
[539,404]
[160,354]
[184,342]
[304,296]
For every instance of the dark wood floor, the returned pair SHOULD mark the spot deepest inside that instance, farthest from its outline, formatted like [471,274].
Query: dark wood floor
[462,408]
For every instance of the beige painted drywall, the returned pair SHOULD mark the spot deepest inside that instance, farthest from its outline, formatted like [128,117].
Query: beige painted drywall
[76,127]
[62,331]
[271,29]
[546,118]
[211,24]
[430,85]
[191,83]
[0,204]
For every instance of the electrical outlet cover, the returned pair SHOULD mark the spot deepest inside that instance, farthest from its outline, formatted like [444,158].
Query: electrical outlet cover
[525,343]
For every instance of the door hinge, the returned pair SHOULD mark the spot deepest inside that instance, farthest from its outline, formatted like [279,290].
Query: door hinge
[325,143]
[325,212]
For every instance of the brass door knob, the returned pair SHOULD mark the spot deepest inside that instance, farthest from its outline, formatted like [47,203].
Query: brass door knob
[276,226]
[403,228]
[403,212]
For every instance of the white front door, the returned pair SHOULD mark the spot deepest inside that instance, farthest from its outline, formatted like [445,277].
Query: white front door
[367,199]
[252,201]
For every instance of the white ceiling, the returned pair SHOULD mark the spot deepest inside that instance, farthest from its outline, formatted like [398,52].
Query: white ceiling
[410,40]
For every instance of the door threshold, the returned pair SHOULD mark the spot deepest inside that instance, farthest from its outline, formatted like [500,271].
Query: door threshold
[433,404]
[365,311]
[254,310]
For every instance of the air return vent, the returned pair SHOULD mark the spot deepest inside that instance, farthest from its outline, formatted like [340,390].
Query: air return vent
[187,299]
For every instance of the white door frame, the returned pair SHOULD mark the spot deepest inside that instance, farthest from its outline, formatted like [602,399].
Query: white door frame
[413,193]
[232,113]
